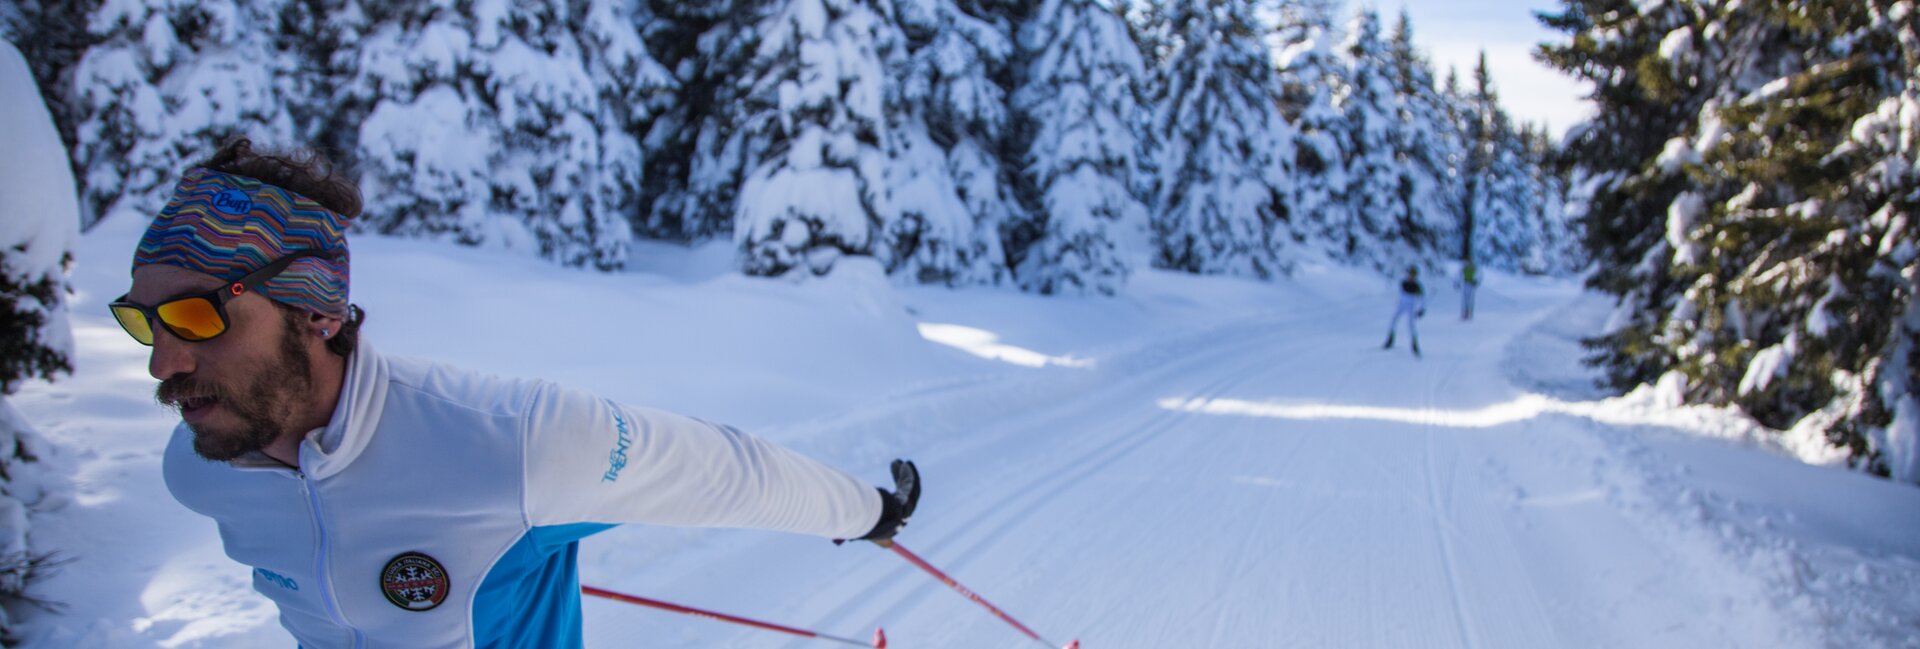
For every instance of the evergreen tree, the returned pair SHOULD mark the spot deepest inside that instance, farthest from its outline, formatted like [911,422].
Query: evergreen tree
[487,126]
[815,137]
[953,193]
[39,207]
[165,83]
[324,36]
[1369,105]
[52,35]
[427,145]
[630,87]
[1560,251]
[1475,118]
[1802,273]
[1792,271]
[1310,71]
[694,163]
[1424,143]
[1151,24]
[1078,94]
[36,246]
[1622,192]
[1498,220]
[1225,151]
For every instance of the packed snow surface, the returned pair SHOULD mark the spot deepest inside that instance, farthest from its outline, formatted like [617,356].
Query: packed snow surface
[1198,462]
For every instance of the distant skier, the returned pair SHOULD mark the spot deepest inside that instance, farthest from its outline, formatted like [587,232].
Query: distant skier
[1413,305]
[1469,280]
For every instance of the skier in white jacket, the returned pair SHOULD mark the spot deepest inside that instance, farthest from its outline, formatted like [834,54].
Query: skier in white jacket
[384,502]
[1413,305]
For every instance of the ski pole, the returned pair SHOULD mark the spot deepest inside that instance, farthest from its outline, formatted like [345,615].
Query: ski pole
[879,635]
[955,585]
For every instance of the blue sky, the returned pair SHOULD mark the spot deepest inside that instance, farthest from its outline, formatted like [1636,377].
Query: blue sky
[1453,32]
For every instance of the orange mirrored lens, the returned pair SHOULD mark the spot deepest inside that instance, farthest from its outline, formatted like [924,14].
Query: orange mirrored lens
[191,318]
[135,323]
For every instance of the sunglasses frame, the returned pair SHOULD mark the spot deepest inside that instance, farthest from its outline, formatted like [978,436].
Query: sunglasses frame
[217,297]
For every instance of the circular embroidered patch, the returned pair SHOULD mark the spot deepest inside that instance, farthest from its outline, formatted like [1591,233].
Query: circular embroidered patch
[414,581]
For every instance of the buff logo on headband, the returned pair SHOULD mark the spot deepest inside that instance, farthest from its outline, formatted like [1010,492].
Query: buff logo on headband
[228,226]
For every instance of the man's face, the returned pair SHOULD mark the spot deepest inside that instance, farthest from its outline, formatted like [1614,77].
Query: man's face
[239,391]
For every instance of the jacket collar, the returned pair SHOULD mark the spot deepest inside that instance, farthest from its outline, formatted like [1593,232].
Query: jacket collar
[363,396]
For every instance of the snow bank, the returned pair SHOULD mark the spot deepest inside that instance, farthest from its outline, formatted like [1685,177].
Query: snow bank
[39,222]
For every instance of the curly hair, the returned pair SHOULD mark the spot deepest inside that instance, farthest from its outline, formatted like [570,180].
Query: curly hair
[304,172]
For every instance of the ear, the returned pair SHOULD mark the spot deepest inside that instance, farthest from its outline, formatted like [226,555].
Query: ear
[323,327]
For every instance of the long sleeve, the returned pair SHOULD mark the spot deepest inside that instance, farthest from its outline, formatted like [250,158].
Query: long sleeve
[589,460]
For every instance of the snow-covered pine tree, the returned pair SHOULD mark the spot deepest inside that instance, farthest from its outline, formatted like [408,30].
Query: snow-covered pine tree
[631,87]
[1225,152]
[36,246]
[42,216]
[1514,229]
[1561,251]
[1623,187]
[695,165]
[1425,212]
[814,133]
[168,82]
[1473,114]
[1150,23]
[552,175]
[52,35]
[1496,182]
[484,129]
[1078,95]
[323,37]
[1802,272]
[952,191]
[1369,105]
[1310,70]
[427,144]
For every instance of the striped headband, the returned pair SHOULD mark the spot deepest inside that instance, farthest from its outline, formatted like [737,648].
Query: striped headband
[228,226]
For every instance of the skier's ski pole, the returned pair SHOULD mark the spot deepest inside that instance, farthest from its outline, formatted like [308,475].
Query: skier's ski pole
[879,635]
[955,585]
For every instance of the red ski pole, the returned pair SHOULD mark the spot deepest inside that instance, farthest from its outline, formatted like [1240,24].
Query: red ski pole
[955,585]
[879,635]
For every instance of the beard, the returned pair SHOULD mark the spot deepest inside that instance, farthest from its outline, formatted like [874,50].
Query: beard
[266,400]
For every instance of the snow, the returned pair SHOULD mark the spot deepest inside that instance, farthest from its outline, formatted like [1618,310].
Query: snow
[37,199]
[1677,45]
[1682,215]
[41,222]
[1678,152]
[1769,364]
[1903,441]
[1194,462]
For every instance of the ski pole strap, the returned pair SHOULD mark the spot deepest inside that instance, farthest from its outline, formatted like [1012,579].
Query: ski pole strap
[955,585]
[879,635]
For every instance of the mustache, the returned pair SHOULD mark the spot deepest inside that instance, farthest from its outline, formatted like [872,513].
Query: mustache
[179,389]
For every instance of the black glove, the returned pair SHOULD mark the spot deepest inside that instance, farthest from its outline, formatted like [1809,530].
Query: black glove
[896,506]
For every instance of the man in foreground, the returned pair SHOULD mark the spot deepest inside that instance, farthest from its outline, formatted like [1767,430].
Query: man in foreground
[387,502]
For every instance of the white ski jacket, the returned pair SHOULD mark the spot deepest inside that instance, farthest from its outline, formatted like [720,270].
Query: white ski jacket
[441,508]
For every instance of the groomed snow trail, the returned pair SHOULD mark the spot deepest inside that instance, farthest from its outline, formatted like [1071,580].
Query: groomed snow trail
[1201,462]
[1276,483]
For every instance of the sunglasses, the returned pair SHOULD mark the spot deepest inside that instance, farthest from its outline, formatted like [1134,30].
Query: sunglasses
[201,316]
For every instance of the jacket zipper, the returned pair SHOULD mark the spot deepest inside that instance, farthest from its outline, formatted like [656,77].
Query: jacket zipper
[320,561]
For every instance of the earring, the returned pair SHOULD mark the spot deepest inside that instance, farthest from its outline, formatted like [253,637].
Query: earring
[325,332]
